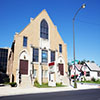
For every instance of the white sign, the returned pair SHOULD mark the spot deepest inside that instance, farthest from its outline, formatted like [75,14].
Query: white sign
[51,69]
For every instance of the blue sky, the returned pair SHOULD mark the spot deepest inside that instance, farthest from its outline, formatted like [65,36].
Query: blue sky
[15,15]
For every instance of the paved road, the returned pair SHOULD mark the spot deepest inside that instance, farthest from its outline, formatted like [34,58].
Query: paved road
[92,94]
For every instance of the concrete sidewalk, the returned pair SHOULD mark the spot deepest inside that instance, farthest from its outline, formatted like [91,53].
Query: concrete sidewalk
[8,91]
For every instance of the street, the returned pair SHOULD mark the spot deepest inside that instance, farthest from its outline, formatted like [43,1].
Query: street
[91,94]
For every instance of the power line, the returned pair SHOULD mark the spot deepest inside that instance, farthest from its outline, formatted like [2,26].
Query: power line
[88,22]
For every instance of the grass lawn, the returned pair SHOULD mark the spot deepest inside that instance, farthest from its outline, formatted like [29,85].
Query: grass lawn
[96,82]
[45,85]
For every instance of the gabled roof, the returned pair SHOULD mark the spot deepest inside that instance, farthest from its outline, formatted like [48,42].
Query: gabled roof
[78,66]
[92,66]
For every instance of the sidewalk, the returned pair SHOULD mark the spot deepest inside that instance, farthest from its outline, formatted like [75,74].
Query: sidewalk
[8,91]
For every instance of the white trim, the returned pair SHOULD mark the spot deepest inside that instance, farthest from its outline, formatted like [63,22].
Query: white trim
[21,57]
[60,60]
[40,69]
[24,50]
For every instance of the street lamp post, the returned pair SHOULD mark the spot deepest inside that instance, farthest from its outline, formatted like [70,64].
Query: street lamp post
[83,6]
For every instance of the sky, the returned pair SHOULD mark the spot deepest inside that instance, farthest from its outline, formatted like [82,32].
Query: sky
[15,16]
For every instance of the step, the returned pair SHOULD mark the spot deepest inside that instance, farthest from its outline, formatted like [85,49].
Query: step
[25,81]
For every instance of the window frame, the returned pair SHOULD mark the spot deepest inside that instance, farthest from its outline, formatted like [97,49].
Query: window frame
[25,39]
[44,30]
[88,74]
[44,60]
[52,56]
[35,54]
[60,48]
[98,74]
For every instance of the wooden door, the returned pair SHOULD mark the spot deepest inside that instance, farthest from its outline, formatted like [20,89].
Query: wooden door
[61,69]
[24,67]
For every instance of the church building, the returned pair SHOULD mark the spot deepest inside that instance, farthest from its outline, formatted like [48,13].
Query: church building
[38,53]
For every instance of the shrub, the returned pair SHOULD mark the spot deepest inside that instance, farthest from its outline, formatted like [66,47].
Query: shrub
[13,84]
[36,83]
[93,79]
[59,84]
[45,83]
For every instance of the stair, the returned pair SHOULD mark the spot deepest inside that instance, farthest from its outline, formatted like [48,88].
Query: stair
[26,82]
[63,79]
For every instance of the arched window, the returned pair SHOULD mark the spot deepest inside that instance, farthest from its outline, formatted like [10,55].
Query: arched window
[44,29]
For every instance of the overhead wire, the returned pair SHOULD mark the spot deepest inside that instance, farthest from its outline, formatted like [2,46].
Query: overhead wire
[88,22]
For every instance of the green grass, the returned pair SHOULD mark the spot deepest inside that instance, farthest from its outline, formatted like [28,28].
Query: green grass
[45,85]
[59,85]
[95,82]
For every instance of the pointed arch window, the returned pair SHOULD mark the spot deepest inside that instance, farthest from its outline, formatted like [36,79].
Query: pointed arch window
[44,29]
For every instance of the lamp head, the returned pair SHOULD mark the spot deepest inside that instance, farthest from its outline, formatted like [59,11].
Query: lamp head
[83,6]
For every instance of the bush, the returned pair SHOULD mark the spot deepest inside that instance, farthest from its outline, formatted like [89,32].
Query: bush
[59,84]
[93,79]
[45,84]
[36,83]
[13,84]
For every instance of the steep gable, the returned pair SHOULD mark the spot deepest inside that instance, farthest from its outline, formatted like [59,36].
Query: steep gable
[35,22]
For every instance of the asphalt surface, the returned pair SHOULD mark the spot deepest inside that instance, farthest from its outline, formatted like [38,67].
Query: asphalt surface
[91,94]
